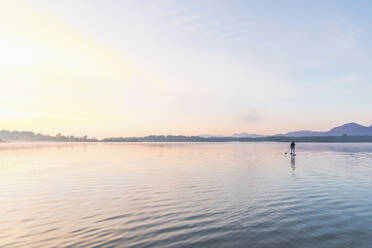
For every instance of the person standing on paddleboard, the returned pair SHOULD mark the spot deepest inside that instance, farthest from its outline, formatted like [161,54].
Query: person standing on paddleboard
[293,148]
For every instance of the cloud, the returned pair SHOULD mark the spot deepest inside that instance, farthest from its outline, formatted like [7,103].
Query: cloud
[251,116]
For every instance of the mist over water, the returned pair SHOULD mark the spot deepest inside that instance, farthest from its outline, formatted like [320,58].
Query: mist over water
[185,195]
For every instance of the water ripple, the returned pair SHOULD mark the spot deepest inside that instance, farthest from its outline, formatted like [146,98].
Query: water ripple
[186,195]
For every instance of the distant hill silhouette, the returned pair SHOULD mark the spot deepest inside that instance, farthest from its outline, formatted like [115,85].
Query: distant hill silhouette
[351,129]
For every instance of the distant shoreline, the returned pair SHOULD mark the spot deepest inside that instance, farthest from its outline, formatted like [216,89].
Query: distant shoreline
[308,139]
[197,139]
[26,136]
[347,133]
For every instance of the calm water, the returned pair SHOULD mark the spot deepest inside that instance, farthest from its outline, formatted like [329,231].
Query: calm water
[185,195]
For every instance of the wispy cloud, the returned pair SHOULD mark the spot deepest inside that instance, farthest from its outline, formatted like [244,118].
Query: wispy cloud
[144,66]
[251,116]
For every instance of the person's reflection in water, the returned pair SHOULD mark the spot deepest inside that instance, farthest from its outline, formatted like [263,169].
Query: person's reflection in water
[293,163]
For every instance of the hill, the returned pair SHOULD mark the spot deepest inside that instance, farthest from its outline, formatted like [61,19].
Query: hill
[351,129]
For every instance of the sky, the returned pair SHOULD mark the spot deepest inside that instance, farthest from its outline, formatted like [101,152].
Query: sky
[135,68]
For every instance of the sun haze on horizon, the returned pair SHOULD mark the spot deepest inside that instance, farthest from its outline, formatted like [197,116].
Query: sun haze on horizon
[134,68]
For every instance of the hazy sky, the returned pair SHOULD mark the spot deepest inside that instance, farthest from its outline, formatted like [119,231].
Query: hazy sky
[123,68]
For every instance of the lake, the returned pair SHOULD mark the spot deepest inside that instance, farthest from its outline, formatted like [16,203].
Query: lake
[185,195]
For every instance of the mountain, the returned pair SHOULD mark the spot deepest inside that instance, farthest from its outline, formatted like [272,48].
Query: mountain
[245,135]
[351,129]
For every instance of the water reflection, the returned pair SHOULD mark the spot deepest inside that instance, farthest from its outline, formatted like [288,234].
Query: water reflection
[293,162]
[185,195]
